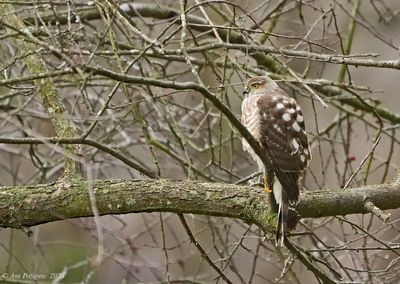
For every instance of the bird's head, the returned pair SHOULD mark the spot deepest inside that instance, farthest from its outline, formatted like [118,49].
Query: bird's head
[258,84]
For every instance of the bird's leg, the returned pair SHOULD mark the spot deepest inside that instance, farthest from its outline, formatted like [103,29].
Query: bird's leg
[268,183]
[269,180]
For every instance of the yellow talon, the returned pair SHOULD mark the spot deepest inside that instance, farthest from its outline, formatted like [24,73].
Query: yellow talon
[266,185]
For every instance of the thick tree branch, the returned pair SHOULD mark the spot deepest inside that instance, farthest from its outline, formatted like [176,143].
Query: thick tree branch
[51,100]
[33,205]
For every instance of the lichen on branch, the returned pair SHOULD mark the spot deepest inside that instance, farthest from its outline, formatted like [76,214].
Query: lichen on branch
[24,206]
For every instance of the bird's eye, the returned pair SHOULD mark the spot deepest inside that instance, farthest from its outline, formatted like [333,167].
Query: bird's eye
[255,85]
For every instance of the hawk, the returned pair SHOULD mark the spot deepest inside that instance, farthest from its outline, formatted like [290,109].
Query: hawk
[277,123]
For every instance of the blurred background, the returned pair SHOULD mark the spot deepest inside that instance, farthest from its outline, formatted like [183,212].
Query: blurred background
[181,135]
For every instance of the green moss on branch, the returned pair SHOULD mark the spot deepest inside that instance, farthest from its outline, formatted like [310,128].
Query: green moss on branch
[32,205]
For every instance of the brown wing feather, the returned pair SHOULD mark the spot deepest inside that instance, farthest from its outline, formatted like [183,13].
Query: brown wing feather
[283,136]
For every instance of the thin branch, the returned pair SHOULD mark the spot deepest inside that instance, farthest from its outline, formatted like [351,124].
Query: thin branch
[350,35]
[376,211]
[305,259]
[201,250]
[79,140]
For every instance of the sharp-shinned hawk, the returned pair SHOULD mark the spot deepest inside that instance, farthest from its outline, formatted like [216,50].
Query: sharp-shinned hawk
[277,123]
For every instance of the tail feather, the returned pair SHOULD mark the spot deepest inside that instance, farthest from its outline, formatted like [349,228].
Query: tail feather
[286,191]
[282,200]
[283,212]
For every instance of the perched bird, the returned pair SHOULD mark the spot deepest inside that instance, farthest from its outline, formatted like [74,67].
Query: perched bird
[277,123]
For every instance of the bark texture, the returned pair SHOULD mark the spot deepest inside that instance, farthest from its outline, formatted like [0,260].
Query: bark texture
[24,206]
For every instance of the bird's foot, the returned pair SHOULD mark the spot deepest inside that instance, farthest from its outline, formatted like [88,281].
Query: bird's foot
[267,187]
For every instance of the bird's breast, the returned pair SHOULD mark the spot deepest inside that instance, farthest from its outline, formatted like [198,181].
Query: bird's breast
[251,120]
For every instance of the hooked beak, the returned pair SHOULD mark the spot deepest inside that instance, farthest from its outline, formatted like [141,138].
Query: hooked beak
[245,90]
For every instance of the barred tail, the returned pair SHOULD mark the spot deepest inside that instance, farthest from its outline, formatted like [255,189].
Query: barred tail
[283,210]
[282,221]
